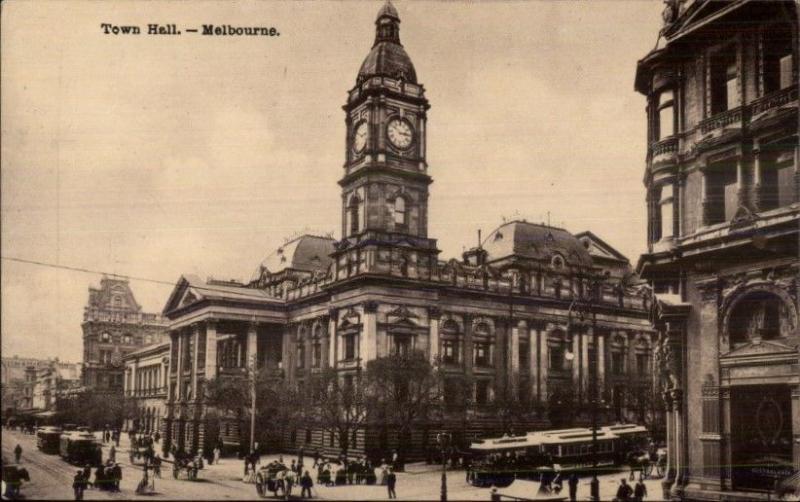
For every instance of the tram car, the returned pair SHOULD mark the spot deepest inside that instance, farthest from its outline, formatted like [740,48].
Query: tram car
[80,448]
[48,439]
[536,455]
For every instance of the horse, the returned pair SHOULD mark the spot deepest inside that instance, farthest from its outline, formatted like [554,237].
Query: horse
[13,477]
[639,460]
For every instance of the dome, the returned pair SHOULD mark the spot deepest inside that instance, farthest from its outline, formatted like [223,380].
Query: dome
[538,242]
[308,252]
[387,57]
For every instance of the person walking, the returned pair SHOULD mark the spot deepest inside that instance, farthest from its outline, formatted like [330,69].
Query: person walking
[306,483]
[79,485]
[217,453]
[572,482]
[639,491]
[624,491]
[391,482]
[116,477]
[112,454]
[18,453]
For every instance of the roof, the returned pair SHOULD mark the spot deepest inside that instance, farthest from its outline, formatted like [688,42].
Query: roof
[387,57]
[599,248]
[153,347]
[539,242]
[307,252]
[191,289]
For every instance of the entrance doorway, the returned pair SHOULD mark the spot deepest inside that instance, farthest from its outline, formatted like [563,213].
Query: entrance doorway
[761,436]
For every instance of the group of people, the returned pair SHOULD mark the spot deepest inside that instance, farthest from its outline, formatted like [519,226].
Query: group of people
[107,477]
[626,494]
[108,435]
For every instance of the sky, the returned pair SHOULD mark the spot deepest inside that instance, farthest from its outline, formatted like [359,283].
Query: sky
[154,156]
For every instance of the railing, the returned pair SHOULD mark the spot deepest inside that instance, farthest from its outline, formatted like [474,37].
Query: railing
[774,100]
[665,146]
[723,119]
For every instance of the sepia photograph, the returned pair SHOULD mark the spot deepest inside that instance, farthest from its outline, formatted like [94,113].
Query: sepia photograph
[510,250]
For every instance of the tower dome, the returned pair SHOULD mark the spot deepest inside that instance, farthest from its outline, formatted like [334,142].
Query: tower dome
[387,57]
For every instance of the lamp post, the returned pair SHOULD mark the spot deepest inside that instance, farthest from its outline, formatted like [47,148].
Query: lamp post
[582,307]
[444,442]
[252,401]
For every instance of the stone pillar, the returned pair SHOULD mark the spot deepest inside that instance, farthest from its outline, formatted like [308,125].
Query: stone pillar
[679,443]
[586,370]
[195,333]
[796,426]
[211,349]
[368,343]
[757,188]
[669,473]
[252,345]
[333,339]
[134,386]
[601,361]
[513,363]
[179,380]
[576,362]
[468,345]
[726,453]
[435,316]
[741,187]
[544,361]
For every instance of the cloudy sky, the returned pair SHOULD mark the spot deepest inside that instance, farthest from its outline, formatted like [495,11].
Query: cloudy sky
[154,156]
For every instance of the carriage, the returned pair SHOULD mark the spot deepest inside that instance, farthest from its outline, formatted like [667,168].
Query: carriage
[48,439]
[272,478]
[188,465]
[80,448]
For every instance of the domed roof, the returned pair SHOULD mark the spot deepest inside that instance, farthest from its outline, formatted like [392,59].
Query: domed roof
[308,252]
[387,57]
[539,242]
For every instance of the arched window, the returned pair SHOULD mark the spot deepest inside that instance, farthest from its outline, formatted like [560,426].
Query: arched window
[450,351]
[400,215]
[354,214]
[757,315]
[117,301]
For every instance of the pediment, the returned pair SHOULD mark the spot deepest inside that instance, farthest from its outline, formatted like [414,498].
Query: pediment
[759,348]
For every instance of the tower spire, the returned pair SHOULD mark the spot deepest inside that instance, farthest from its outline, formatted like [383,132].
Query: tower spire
[387,24]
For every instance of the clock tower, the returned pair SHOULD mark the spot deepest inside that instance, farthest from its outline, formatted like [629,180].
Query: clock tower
[385,183]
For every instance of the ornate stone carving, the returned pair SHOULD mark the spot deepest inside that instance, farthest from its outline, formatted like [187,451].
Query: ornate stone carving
[434,312]
[371,306]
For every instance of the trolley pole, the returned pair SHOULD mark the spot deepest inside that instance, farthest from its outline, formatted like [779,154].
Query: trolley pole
[444,442]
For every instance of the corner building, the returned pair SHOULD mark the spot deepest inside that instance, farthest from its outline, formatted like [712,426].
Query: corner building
[722,195]
[501,314]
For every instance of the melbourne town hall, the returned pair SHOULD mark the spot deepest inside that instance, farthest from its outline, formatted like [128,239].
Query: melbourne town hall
[518,314]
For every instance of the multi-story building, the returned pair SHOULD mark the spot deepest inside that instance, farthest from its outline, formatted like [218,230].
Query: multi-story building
[146,373]
[113,326]
[501,315]
[19,377]
[722,196]
[52,382]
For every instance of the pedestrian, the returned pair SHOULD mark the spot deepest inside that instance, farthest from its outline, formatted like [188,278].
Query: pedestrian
[639,491]
[624,491]
[216,454]
[306,483]
[157,466]
[78,485]
[157,437]
[116,437]
[572,482]
[116,476]
[18,453]
[391,481]
[112,454]
[395,458]
[300,455]
[100,478]
[316,457]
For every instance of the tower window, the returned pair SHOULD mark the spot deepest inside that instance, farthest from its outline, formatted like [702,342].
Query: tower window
[666,114]
[400,214]
[724,80]
[354,214]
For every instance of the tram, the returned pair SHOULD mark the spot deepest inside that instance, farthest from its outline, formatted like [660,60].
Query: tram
[80,448]
[48,439]
[498,461]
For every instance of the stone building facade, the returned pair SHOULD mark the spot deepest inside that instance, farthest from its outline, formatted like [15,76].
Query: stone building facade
[145,386]
[113,326]
[722,195]
[503,314]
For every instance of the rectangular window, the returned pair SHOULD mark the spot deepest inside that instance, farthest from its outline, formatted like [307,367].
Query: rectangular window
[350,346]
[642,364]
[721,194]
[556,358]
[450,351]
[617,363]
[724,80]
[316,356]
[481,353]
[524,356]
[402,344]
[666,211]
[481,392]
[666,115]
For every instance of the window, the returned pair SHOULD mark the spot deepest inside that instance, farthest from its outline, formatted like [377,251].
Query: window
[105,338]
[117,301]
[450,351]
[724,80]
[350,346]
[354,214]
[642,364]
[556,358]
[105,357]
[402,344]
[482,353]
[665,212]
[400,216]
[617,363]
[481,392]
[721,194]
[666,114]
[755,316]
[127,339]
[301,354]
[778,64]
[524,356]
[316,354]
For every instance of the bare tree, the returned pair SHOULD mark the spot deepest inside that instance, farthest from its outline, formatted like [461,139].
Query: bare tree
[338,404]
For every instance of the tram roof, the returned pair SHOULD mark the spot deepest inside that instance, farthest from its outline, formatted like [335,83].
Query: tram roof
[623,429]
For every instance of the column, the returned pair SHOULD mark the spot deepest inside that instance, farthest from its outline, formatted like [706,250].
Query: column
[740,182]
[726,453]
[134,367]
[544,361]
[181,348]
[196,335]
[513,366]
[534,369]
[678,443]
[795,390]
[211,349]
[669,474]
[333,339]
[585,337]
[757,194]
[434,314]
[601,361]
[252,344]
[576,362]
[368,343]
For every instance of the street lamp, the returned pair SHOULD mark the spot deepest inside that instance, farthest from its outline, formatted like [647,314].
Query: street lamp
[582,307]
[444,439]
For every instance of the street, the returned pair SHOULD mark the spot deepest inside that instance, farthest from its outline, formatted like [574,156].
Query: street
[51,478]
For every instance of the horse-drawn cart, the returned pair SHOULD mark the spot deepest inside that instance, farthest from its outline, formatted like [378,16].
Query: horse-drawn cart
[188,466]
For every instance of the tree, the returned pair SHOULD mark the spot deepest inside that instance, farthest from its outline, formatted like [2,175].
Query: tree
[338,405]
[404,388]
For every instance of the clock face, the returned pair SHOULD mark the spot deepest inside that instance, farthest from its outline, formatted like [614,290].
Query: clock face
[360,137]
[400,133]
